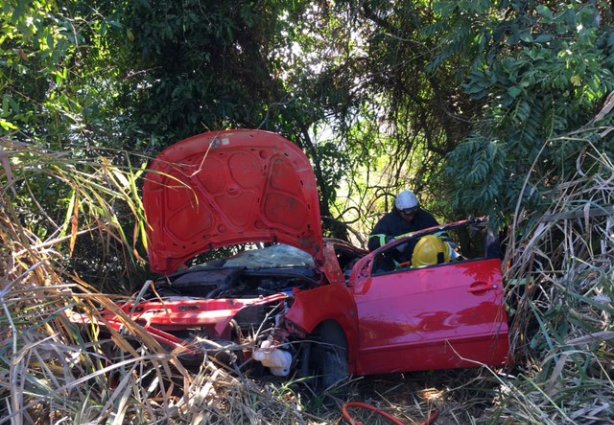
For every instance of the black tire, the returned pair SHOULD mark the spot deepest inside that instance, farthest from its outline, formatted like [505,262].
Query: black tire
[328,363]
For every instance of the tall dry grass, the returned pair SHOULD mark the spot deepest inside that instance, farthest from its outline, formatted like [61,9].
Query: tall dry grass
[52,371]
[561,284]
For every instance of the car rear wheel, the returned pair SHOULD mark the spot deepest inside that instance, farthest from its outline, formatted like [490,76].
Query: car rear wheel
[327,357]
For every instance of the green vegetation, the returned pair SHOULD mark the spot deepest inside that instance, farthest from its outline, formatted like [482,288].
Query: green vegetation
[483,107]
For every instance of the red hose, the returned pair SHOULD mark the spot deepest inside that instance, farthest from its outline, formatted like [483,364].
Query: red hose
[346,415]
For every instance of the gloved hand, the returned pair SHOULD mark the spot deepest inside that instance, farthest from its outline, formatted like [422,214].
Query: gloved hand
[404,235]
[399,248]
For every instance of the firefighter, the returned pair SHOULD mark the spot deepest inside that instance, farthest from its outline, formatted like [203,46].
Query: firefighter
[406,217]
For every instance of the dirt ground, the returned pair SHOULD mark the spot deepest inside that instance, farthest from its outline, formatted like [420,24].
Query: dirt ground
[459,396]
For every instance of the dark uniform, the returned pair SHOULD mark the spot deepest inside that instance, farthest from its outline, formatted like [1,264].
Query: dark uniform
[392,224]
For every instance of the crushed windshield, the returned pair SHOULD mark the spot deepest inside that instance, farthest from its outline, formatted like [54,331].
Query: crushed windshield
[271,256]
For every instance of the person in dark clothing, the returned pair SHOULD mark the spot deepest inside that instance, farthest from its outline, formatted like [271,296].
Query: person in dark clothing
[407,216]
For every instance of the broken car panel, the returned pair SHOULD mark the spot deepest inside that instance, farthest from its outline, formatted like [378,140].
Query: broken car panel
[301,303]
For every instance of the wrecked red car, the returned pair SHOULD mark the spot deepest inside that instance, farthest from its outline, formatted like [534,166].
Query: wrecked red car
[289,300]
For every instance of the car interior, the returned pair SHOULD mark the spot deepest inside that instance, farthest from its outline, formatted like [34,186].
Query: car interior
[469,242]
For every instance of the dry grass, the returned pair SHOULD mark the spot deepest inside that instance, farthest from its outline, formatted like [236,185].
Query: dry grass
[560,274]
[50,372]
[560,280]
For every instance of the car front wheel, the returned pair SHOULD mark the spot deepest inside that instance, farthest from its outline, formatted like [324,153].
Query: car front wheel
[327,357]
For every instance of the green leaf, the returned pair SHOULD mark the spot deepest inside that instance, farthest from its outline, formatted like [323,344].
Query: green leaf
[7,125]
[514,92]
[69,214]
[526,36]
[545,12]
[543,38]
[6,108]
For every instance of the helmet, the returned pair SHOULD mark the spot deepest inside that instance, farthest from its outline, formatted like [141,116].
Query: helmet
[430,250]
[406,200]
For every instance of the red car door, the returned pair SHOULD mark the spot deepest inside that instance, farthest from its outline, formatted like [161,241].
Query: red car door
[445,316]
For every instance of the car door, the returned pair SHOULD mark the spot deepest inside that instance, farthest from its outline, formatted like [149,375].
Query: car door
[444,316]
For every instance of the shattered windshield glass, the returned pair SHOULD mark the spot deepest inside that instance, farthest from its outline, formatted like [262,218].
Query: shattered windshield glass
[271,256]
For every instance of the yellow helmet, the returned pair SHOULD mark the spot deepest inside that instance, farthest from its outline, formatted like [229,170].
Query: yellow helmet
[430,250]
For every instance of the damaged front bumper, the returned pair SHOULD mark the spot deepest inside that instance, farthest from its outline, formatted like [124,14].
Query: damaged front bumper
[194,328]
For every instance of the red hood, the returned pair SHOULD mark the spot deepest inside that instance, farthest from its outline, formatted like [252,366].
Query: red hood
[230,187]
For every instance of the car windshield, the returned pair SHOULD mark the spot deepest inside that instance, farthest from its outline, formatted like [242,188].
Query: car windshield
[270,256]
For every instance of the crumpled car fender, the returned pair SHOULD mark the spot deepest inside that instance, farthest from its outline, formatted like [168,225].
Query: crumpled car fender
[328,302]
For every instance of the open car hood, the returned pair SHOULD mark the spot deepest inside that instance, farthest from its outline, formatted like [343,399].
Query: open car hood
[230,187]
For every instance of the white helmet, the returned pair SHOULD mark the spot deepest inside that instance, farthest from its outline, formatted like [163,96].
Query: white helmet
[406,200]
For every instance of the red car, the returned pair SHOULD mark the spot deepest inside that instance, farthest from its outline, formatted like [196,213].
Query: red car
[290,300]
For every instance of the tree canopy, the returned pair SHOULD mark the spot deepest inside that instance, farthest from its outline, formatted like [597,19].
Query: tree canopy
[455,99]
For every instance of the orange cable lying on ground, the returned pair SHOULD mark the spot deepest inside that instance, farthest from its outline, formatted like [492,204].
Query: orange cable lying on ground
[356,404]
